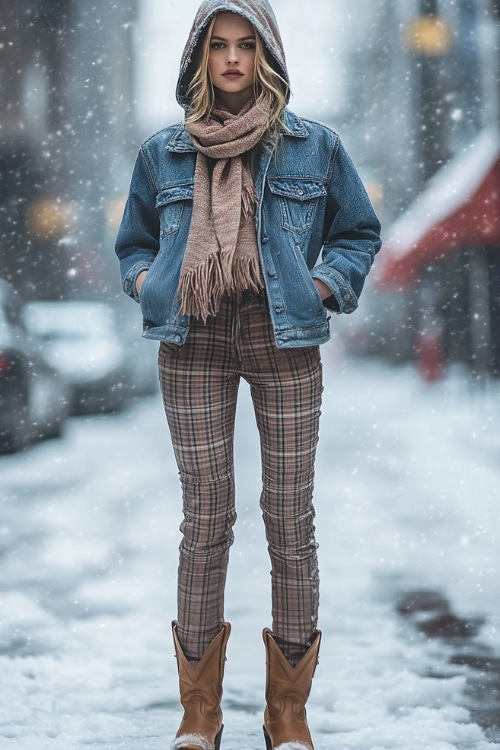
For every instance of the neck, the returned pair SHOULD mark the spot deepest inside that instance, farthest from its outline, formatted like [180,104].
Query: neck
[234,103]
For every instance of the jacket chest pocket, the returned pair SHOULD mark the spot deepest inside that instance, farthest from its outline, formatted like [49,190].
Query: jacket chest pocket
[170,204]
[298,199]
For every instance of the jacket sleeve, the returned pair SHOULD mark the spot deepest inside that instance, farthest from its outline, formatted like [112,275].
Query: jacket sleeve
[351,236]
[138,238]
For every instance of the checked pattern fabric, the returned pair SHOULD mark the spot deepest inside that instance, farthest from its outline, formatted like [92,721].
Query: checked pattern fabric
[199,383]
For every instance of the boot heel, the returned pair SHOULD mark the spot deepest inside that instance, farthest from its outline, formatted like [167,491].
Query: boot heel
[218,738]
[269,744]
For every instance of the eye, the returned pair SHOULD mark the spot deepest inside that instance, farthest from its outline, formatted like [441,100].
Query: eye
[248,45]
[217,45]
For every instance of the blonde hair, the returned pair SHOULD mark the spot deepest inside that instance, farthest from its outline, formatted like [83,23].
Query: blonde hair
[266,81]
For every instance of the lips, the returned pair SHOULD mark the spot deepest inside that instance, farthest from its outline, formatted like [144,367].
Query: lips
[232,74]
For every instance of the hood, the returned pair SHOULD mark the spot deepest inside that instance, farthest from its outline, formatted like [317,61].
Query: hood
[261,16]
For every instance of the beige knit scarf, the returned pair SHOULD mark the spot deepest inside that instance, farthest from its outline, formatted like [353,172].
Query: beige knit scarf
[221,253]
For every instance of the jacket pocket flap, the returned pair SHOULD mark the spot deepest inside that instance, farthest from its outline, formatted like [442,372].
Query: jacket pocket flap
[175,193]
[298,189]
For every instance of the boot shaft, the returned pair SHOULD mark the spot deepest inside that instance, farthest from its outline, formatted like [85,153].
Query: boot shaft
[201,692]
[287,691]
[284,682]
[205,678]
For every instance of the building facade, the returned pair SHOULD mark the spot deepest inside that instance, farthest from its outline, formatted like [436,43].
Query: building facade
[66,132]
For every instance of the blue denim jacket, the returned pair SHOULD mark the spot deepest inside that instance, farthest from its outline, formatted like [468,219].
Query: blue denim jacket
[311,200]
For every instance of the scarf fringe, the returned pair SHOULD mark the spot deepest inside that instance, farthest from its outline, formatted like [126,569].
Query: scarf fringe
[249,200]
[202,288]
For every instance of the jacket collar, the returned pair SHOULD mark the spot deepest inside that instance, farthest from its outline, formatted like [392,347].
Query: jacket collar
[181,141]
[295,126]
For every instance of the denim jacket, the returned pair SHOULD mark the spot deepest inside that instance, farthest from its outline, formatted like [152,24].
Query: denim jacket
[311,201]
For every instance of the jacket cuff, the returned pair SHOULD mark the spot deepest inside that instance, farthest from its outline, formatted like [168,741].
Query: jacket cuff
[131,278]
[342,291]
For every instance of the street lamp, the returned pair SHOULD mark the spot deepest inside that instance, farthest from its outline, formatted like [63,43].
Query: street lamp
[428,35]
[429,38]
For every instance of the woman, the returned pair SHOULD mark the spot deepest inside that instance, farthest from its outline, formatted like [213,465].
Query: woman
[226,217]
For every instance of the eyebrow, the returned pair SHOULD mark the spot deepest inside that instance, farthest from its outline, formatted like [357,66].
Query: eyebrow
[242,39]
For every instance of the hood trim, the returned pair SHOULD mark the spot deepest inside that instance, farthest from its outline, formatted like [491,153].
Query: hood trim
[258,12]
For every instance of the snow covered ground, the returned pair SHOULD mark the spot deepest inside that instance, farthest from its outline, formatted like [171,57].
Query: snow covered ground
[407,519]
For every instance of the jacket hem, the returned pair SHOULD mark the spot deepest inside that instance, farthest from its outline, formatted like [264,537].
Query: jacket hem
[297,337]
[289,339]
[171,333]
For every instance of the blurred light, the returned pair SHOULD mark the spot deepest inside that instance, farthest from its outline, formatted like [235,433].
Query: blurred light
[429,36]
[49,219]
[375,192]
[114,213]
[5,364]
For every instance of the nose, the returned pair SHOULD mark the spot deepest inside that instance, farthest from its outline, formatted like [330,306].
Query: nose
[232,55]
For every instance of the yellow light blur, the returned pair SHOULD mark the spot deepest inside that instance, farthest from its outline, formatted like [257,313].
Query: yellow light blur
[429,36]
[49,219]
[375,192]
[114,213]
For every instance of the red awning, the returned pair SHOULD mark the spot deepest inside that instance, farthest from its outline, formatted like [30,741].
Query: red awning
[460,206]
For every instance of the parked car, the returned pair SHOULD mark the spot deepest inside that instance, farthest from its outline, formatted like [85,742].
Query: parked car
[82,342]
[34,398]
[142,359]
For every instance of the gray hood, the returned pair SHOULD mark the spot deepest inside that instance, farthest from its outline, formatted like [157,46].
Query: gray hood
[261,16]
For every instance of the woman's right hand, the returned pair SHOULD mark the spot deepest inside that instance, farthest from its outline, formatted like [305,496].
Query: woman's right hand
[140,281]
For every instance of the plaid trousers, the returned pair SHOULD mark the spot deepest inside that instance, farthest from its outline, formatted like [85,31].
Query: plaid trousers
[199,383]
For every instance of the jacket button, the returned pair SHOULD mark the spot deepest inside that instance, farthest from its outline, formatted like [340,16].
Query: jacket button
[265,240]
[279,309]
[177,339]
[272,274]
[300,191]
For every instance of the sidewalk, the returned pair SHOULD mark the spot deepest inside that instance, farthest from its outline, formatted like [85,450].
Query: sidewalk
[406,497]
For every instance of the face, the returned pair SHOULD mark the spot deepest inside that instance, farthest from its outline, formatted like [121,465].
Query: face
[231,60]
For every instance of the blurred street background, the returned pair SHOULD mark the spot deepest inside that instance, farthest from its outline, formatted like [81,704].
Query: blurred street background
[411,86]
[408,474]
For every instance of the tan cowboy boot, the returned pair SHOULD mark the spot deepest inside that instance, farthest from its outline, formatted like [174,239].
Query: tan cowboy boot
[200,694]
[287,691]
